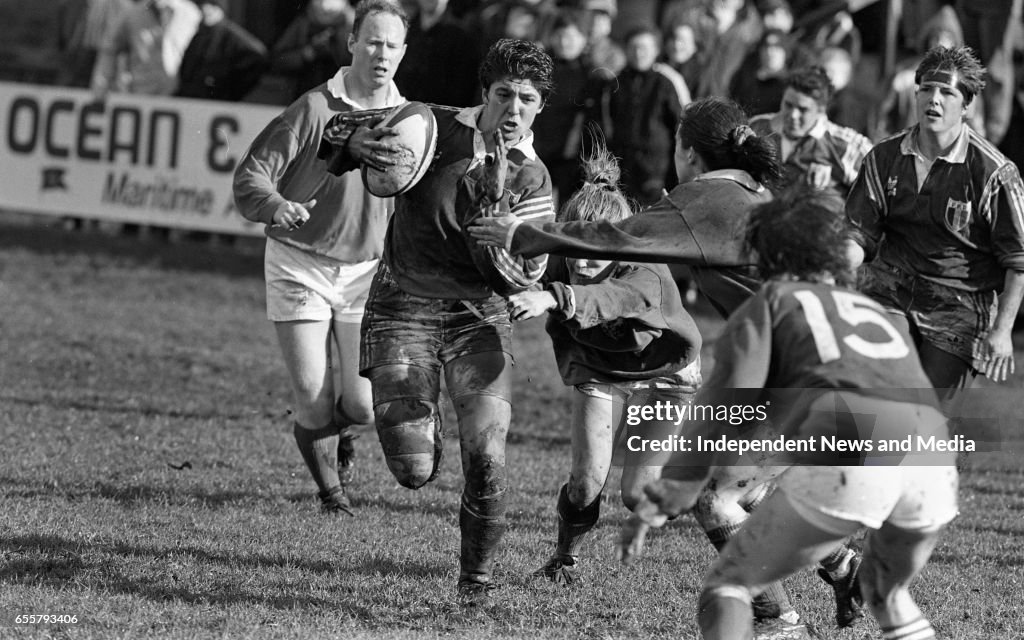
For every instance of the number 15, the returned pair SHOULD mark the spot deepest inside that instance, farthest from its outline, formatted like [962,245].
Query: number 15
[855,310]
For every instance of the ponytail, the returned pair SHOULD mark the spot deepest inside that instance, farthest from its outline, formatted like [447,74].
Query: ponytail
[716,128]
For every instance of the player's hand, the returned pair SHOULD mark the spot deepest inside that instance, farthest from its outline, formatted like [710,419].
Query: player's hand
[493,182]
[995,356]
[292,215]
[370,147]
[530,304]
[493,231]
[634,531]
[819,176]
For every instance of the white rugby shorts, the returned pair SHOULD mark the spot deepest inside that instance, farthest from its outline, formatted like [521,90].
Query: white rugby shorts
[919,498]
[306,286]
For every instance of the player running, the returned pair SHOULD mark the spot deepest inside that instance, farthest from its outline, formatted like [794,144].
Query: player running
[841,368]
[622,340]
[437,304]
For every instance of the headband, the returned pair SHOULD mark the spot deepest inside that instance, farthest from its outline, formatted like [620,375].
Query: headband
[947,78]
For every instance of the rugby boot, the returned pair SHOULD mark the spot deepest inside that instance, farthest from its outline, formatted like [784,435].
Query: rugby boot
[849,600]
[573,526]
[335,502]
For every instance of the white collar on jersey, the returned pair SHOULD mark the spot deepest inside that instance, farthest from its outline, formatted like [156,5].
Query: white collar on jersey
[957,154]
[469,117]
[336,87]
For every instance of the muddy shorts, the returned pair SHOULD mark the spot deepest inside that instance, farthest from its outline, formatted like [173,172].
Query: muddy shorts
[400,328]
[952,320]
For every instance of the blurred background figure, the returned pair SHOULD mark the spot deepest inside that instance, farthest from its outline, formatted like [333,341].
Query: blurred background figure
[81,28]
[897,109]
[730,30]
[603,53]
[143,53]
[680,52]
[520,19]
[441,58]
[223,61]
[559,127]
[851,106]
[761,81]
[640,109]
[990,28]
[314,45]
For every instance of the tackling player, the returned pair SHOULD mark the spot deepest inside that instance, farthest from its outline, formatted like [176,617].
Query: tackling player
[723,168]
[437,304]
[621,339]
[849,371]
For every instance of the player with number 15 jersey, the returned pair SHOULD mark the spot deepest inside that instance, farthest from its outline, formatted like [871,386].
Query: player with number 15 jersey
[798,340]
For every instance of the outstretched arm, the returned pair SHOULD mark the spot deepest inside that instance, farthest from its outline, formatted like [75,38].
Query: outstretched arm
[647,237]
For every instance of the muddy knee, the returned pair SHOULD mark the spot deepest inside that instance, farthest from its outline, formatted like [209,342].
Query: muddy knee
[485,486]
[410,435]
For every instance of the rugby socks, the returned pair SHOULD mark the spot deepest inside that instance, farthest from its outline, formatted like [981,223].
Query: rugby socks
[574,524]
[919,629]
[721,535]
[481,535]
[481,520]
[319,449]
[724,614]
[837,563]
[774,601]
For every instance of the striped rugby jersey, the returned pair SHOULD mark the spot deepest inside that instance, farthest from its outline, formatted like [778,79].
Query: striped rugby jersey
[827,143]
[962,228]
[427,248]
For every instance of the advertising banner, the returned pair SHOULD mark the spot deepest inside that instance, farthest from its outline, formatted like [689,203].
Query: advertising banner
[143,159]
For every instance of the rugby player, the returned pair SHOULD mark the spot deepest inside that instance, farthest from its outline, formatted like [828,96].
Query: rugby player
[324,240]
[622,340]
[849,371]
[938,213]
[437,304]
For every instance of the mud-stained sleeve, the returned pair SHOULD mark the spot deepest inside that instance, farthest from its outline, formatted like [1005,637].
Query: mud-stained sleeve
[662,236]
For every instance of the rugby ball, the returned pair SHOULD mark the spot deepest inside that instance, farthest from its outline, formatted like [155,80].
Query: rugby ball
[415,138]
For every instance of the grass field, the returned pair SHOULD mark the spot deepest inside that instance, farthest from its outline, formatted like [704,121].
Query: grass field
[149,484]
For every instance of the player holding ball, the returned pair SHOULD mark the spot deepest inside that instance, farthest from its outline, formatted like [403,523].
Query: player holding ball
[437,304]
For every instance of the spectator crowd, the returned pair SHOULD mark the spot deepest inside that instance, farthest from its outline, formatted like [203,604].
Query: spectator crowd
[623,71]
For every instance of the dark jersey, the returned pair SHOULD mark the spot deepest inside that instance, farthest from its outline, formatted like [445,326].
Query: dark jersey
[794,341]
[962,228]
[626,323]
[427,248]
